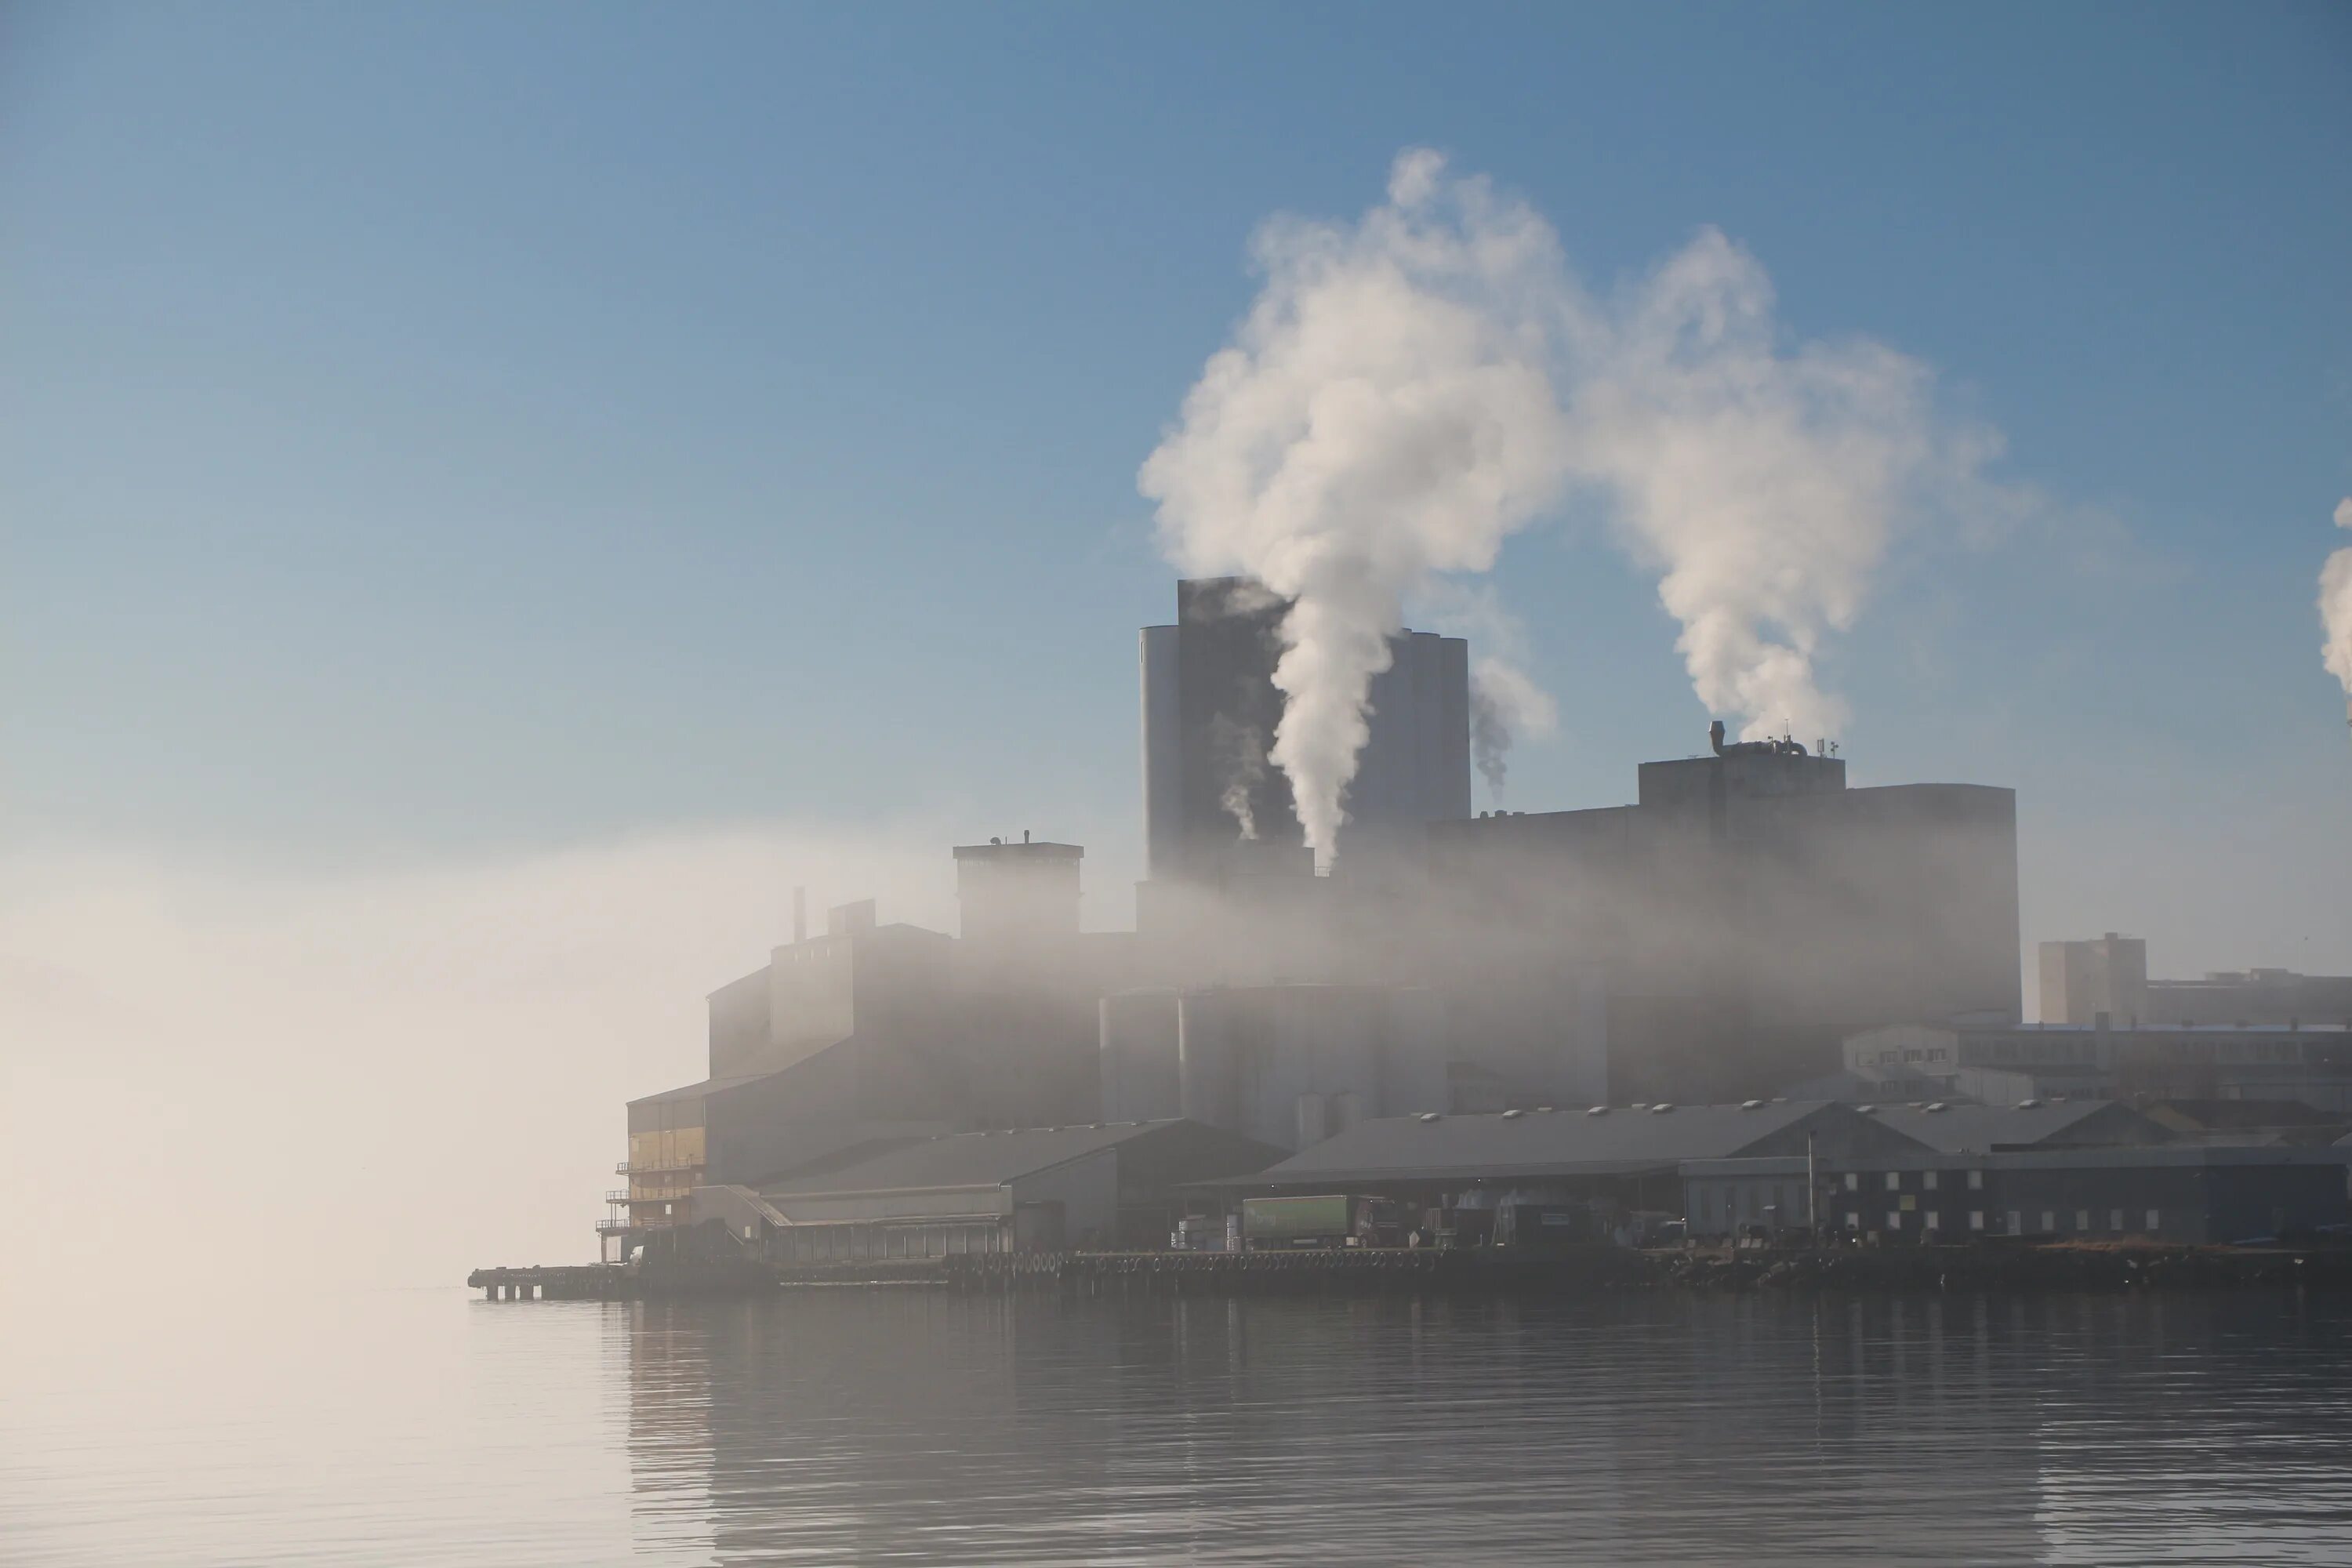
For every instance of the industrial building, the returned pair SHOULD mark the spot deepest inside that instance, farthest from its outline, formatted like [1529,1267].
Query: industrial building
[873,1029]
[2170,1193]
[2081,979]
[1750,910]
[1036,1190]
[1210,712]
[1435,1011]
[2003,1064]
[1614,1162]
[2253,997]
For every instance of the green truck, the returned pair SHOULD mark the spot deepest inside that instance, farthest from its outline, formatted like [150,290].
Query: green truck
[1335,1219]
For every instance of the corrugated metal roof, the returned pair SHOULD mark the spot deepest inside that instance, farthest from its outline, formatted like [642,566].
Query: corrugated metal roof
[1984,1127]
[1543,1142]
[966,1159]
[702,1091]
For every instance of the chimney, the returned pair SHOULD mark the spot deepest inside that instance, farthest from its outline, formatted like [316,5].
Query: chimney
[1714,736]
[800,914]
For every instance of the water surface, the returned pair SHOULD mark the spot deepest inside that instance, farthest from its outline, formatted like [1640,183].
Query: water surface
[914,1428]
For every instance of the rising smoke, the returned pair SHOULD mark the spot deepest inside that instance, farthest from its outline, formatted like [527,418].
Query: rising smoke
[1504,703]
[1385,412]
[1409,390]
[2336,605]
[1240,753]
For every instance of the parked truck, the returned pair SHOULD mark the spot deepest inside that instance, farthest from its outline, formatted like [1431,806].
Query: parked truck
[1334,1219]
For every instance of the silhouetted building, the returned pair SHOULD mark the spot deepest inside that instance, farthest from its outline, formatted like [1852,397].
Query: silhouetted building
[2251,997]
[1750,910]
[2081,979]
[1210,709]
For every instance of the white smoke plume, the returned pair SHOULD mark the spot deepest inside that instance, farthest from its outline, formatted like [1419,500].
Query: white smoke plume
[1505,704]
[1761,482]
[1385,412]
[1241,756]
[2336,604]
[1410,389]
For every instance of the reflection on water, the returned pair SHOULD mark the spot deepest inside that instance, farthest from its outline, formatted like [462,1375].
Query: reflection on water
[1666,1428]
[912,1427]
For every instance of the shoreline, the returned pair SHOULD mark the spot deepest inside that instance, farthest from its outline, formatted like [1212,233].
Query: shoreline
[1399,1271]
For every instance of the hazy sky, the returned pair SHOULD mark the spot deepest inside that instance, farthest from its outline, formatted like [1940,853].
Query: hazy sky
[436,439]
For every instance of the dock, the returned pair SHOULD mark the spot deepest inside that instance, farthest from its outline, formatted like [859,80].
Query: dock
[561,1282]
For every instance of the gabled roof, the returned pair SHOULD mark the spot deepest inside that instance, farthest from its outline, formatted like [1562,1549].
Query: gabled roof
[1980,1129]
[969,1159]
[1619,1141]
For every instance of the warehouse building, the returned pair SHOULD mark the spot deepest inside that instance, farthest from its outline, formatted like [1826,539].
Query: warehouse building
[1614,1161]
[2002,1063]
[2183,1194]
[1033,1190]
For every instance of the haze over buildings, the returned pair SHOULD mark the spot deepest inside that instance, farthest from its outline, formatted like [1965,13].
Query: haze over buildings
[1718,939]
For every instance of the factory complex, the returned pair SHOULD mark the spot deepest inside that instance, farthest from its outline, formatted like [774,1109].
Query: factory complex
[1755,999]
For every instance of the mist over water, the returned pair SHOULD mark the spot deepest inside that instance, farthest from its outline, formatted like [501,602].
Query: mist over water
[922,1427]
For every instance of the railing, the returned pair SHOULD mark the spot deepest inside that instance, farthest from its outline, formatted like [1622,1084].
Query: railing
[650,1195]
[653,1167]
[620,1226]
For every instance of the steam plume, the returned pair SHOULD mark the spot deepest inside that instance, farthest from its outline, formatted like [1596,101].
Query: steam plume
[1240,752]
[1504,703]
[1761,483]
[1409,390]
[2336,604]
[1385,412]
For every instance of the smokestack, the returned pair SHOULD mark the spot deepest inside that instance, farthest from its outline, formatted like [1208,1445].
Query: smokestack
[800,914]
[1714,736]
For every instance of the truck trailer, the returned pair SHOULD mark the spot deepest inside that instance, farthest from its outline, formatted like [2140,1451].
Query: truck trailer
[1332,1219]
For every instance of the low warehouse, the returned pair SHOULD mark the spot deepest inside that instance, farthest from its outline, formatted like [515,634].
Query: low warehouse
[2180,1192]
[1613,1158]
[1041,1189]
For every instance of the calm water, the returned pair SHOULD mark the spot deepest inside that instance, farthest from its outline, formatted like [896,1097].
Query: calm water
[916,1428]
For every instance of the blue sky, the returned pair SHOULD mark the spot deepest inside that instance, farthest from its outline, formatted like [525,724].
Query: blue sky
[443,431]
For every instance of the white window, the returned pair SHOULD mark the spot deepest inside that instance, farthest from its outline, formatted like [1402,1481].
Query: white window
[1894,1181]
[1894,1219]
[2153,1222]
[2115,1221]
[1976,1219]
[2081,1219]
[1927,1180]
[1934,1220]
[1852,1220]
[1976,1181]
[1854,1180]
[2049,1220]
[2016,1223]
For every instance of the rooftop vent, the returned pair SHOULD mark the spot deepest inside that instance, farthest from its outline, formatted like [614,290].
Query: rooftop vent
[1507,1115]
[1661,1108]
[1544,1109]
[1429,1116]
[1640,1105]
[1596,1111]
[1865,1110]
[1749,1104]
[1933,1105]
[2027,1104]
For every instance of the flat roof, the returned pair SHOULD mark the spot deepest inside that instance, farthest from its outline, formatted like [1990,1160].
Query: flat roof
[965,1159]
[1575,1141]
[702,1091]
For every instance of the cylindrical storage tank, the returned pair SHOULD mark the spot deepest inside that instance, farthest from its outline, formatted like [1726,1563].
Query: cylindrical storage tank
[1141,1080]
[1413,1058]
[1206,1091]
